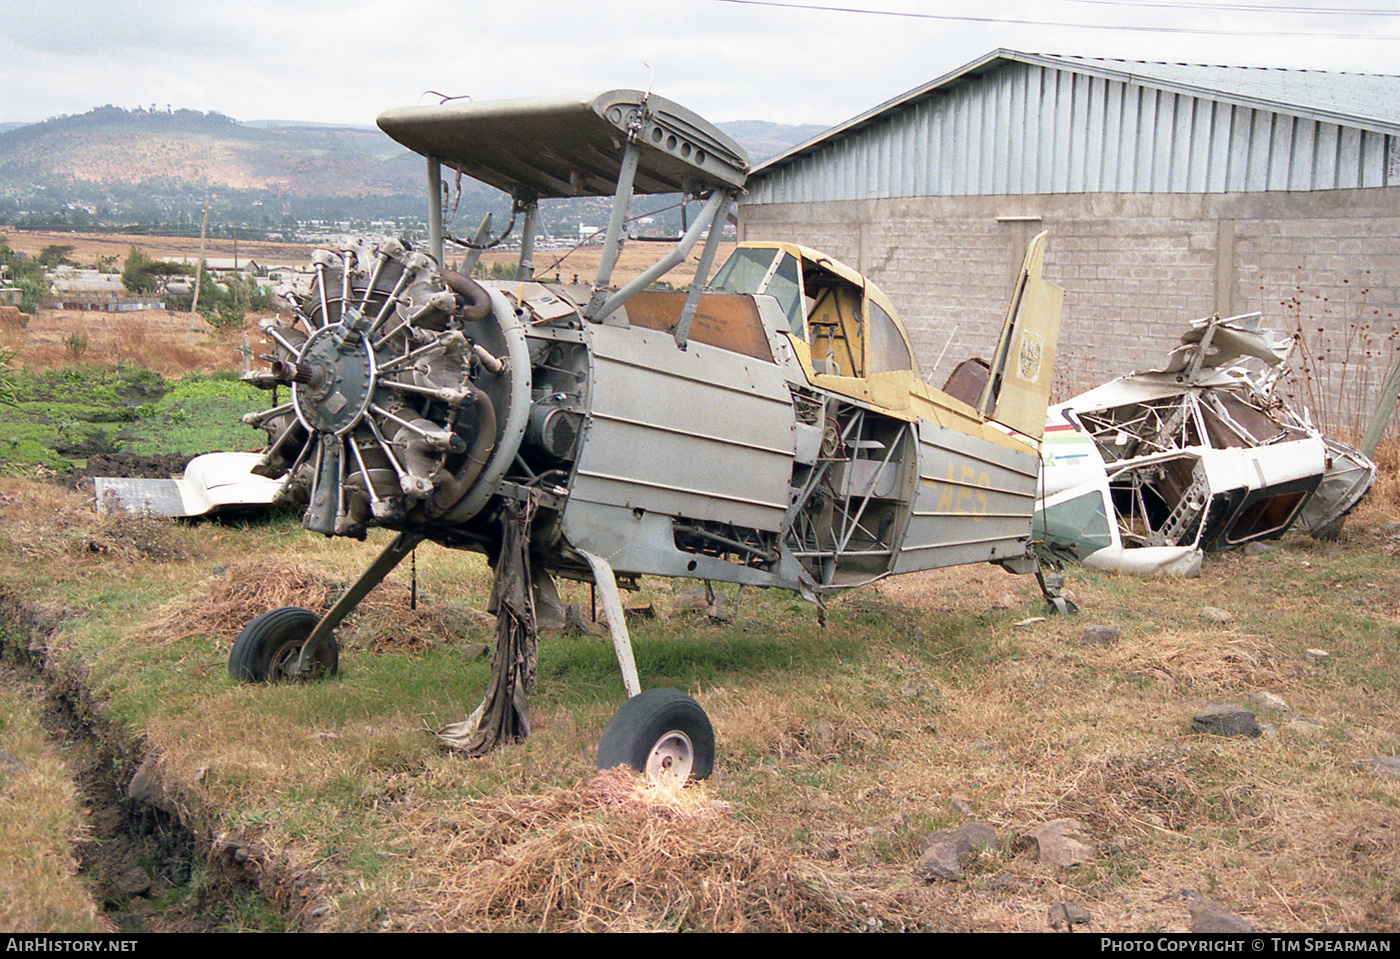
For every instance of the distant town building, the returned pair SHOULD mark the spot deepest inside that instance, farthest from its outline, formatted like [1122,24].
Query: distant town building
[80,289]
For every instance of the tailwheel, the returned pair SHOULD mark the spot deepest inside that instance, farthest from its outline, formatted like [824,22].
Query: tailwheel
[662,734]
[269,648]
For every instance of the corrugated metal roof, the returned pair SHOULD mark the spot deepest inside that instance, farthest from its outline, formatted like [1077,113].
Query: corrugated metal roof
[1368,102]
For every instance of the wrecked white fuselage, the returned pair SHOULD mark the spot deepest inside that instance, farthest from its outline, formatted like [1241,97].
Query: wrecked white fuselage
[1146,473]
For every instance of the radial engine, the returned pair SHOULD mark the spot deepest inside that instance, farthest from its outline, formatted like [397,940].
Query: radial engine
[400,375]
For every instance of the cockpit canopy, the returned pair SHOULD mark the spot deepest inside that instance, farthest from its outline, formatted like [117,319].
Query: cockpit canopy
[848,323]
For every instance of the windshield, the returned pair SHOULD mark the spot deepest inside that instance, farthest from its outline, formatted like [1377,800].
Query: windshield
[744,271]
[773,272]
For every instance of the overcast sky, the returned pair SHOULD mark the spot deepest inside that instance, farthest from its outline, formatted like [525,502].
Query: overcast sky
[344,61]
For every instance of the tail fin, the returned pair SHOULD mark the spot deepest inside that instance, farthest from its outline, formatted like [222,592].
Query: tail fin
[1018,387]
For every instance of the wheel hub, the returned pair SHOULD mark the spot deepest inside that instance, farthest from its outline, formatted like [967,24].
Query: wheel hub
[284,661]
[671,759]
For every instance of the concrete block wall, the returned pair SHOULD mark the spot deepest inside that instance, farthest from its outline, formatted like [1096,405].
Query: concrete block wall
[1137,268]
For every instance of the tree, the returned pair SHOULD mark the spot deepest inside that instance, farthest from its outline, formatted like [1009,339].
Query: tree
[134,276]
[27,276]
[145,275]
[56,255]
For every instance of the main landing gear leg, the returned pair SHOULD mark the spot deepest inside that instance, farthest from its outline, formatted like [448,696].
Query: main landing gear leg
[661,733]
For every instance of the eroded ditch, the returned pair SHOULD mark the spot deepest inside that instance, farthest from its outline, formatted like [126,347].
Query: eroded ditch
[149,866]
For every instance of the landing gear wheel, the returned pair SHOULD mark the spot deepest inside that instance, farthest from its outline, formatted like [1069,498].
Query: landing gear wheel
[268,648]
[662,734]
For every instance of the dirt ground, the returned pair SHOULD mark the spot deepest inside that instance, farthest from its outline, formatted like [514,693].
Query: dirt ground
[89,246]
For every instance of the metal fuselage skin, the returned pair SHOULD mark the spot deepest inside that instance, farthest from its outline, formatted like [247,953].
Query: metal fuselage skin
[735,460]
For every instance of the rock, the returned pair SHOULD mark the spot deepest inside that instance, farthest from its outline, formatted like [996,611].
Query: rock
[945,852]
[1259,549]
[576,622]
[235,859]
[1060,842]
[1316,655]
[940,860]
[1100,635]
[1215,614]
[1064,916]
[960,805]
[1209,916]
[699,601]
[16,765]
[1260,699]
[982,837]
[132,881]
[889,824]
[717,611]
[147,787]
[1385,765]
[690,599]
[1304,726]
[1221,720]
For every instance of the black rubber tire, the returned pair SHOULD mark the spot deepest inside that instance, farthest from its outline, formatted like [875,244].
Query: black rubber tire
[647,722]
[273,640]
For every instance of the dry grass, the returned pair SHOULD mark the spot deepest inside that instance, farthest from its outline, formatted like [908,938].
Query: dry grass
[41,819]
[386,619]
[829,778]
[1343,352]
[1199,660]
[171,344]
[113,247]
[46,523]
[616,855]
[237,593]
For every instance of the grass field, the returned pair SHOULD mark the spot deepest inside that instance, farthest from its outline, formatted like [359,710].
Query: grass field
[922,702]
[927,700]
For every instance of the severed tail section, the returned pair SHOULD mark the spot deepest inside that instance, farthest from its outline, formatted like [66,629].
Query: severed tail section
[1018,387]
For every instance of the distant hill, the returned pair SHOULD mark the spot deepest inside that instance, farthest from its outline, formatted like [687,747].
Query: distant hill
[764,139]
[113,166]
[110,145]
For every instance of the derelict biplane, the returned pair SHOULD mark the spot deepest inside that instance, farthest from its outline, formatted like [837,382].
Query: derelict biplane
[767,427]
